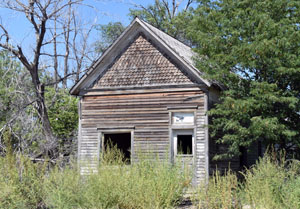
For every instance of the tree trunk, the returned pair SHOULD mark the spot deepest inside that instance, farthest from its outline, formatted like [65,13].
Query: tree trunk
[67,47]
[50,143]
[55,55]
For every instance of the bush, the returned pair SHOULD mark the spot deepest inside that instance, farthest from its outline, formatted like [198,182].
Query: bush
[21,183]
[264,183]
[271,183]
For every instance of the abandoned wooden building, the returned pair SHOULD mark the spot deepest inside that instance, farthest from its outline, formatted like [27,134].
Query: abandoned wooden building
[145,93]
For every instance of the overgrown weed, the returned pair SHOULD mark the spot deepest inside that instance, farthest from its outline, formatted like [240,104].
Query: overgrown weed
[272,183]
[222,191]
[143,184]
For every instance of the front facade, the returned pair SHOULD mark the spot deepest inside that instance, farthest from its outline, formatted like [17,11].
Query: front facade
[145,95]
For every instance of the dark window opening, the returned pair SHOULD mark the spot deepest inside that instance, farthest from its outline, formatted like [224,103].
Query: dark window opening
[185,144]
[122,141]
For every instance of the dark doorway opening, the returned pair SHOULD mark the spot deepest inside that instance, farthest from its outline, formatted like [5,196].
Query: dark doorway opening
[122,141]
[185,144]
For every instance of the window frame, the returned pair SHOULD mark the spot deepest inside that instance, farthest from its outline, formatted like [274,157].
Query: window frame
[175,141]
[116,130]
[173,128]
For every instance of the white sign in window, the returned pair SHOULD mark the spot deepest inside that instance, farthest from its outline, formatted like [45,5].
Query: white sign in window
[182,118]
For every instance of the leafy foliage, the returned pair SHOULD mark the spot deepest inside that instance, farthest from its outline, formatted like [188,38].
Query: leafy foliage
[108,34]
[18,117]
[63,112]
[9,68]
[252,48]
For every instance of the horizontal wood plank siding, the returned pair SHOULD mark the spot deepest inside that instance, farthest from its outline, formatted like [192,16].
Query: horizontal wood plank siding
[147,112]
[200,170]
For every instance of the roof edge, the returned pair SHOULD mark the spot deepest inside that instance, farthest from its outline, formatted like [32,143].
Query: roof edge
[75,89]
[94,64]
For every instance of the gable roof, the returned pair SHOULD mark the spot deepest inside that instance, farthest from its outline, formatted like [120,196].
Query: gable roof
[180,48]
[177,51]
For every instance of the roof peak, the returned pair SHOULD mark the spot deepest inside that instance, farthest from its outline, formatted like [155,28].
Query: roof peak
[180,52]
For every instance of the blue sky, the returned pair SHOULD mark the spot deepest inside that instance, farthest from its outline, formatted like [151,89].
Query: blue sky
[98,12]
[103,11]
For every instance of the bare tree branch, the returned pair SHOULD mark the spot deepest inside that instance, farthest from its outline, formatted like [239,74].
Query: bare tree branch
[60,80]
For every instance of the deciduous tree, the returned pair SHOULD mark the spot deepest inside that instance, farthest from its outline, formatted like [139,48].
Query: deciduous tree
[43,16]
[252,48]
[169,16]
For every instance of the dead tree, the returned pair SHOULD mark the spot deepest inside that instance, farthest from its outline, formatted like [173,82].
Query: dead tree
[82,52]
[40,14]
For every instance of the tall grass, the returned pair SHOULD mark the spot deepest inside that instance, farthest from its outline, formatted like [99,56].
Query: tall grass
[144,184]
[220,192]
[21,183]
[271,183]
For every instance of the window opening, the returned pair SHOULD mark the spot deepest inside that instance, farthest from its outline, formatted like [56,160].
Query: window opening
[122,141]
[185,144]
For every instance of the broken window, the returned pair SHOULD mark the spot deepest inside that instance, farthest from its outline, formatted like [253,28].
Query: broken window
[183,118]
[185,144]
[121,141]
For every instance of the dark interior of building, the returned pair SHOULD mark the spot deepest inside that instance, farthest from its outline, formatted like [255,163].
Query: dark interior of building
[122,141]
[184,144]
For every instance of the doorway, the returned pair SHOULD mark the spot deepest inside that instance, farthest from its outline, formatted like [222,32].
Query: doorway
[183,142]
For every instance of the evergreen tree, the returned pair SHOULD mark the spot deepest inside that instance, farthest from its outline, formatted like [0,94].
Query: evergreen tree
[252,47]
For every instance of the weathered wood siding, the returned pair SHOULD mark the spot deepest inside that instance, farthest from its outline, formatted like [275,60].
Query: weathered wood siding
[200,162]
[148,113]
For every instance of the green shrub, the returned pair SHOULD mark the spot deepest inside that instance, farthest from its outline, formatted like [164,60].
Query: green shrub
[264,183]
[63,188]
[292,191]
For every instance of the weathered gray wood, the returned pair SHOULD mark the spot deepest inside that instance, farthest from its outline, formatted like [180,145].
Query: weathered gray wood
[147,114]
[142,91]
[206,136]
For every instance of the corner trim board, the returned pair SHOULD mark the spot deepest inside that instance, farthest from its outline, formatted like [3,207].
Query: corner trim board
[206,136]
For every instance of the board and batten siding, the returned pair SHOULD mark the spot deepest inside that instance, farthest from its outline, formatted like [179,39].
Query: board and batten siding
[148,113]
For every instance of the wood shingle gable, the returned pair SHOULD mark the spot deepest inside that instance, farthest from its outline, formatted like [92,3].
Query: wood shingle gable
[142,64]
[176,52]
